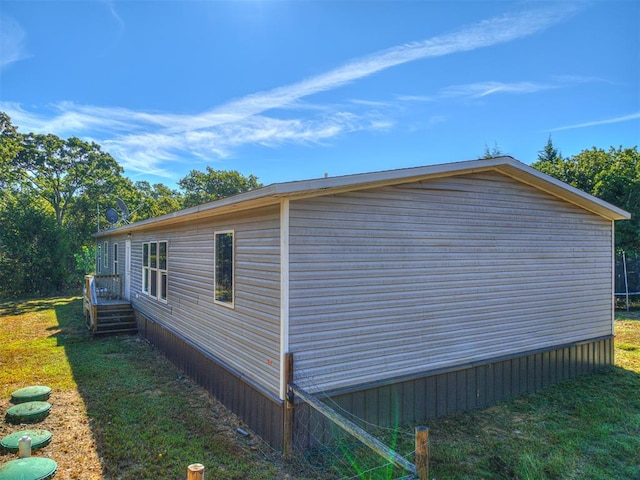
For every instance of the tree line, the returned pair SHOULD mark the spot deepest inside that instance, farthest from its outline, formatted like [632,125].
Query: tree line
[54,191]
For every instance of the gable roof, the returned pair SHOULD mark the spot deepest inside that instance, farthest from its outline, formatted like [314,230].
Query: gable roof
[272,194]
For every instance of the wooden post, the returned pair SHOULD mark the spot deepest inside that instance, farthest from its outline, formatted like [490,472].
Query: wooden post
[287,430]
[195,471]
[422,453]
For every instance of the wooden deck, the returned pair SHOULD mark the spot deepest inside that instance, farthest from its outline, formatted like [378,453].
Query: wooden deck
[105,310]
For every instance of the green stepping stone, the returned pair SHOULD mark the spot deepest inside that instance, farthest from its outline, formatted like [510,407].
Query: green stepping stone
[37,393]
[29,412]
[32,468]
[39,439]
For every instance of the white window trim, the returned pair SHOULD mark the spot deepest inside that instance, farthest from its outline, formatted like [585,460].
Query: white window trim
[233,269]
[115,258]
[98,258]
[105,255]
[146,271]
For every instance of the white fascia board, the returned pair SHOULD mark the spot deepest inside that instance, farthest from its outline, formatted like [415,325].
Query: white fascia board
[321,186]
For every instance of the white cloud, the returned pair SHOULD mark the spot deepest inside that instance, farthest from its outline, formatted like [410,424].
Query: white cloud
[12,42]
[623,118]
[144,141]
[483,89]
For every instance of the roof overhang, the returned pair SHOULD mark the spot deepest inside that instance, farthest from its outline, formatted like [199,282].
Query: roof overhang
[272,194]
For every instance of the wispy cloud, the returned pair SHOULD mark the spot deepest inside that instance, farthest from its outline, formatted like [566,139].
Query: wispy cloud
[12,42]
[606,121]
[484,89]
[143,141]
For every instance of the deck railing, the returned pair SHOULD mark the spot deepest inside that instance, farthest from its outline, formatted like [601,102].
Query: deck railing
[96,287]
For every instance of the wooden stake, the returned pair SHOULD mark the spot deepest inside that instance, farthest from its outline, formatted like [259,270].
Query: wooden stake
[422,453]
[195,472]
[287,439]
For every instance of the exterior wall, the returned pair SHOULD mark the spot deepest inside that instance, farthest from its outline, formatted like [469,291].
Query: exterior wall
[112,268]
[244,338]
[407,279]
[447,391]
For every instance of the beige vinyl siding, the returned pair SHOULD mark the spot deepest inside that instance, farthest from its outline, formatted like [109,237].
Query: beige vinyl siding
[245,337]
[402,279]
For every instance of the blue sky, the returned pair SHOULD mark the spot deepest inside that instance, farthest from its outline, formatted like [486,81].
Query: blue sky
[294,90]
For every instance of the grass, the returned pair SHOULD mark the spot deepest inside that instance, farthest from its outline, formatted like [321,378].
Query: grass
[586,428]
[121,411]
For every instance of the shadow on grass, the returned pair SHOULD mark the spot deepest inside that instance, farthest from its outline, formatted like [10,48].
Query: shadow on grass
[147,420]
[633,314]
[28,305]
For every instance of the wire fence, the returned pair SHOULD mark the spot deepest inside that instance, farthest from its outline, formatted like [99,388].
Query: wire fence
[339,445]
[627,280]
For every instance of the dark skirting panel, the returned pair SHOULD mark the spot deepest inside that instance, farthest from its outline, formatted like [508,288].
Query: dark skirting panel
[438,393]
[259,411]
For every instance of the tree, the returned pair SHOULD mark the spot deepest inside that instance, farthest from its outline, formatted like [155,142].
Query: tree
[201,187]
[51,189]
[612,176]
[549,153]
[10,141]
[35,254]
[492,152]
[10,145]
[155,200]
[59,170]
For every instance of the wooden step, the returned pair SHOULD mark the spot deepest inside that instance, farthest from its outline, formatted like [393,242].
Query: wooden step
[116,318]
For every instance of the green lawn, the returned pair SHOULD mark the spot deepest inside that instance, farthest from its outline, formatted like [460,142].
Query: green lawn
[121,411]
[586,428]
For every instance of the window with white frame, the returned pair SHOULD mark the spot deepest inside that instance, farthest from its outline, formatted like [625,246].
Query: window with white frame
[155,271]
[223,268]
[105,253]
[98,258]
[115,258]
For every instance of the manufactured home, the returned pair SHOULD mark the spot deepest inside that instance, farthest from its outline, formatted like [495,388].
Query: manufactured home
[402,294]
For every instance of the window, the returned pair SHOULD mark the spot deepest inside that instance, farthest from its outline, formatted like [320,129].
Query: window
[155,269]
[145,268]
[223,268]
[162,270]
[105,251]
[115,258]
[98,259]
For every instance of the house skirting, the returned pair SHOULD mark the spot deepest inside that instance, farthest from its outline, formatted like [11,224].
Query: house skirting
[437,393]
[390,403]
[257,409]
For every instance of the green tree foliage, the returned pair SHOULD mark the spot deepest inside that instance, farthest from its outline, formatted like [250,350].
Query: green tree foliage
[492,152]
[49,181]
[35,254]
[10,141]
[549,153]
[202,187]
[86,260]
[10,145]
[613,176]
[60,170]
[155,200]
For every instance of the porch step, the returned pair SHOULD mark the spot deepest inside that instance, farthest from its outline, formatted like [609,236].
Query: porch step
[116,319]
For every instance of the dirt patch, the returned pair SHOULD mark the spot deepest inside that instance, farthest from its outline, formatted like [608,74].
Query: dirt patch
[75,449]
[72,444]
